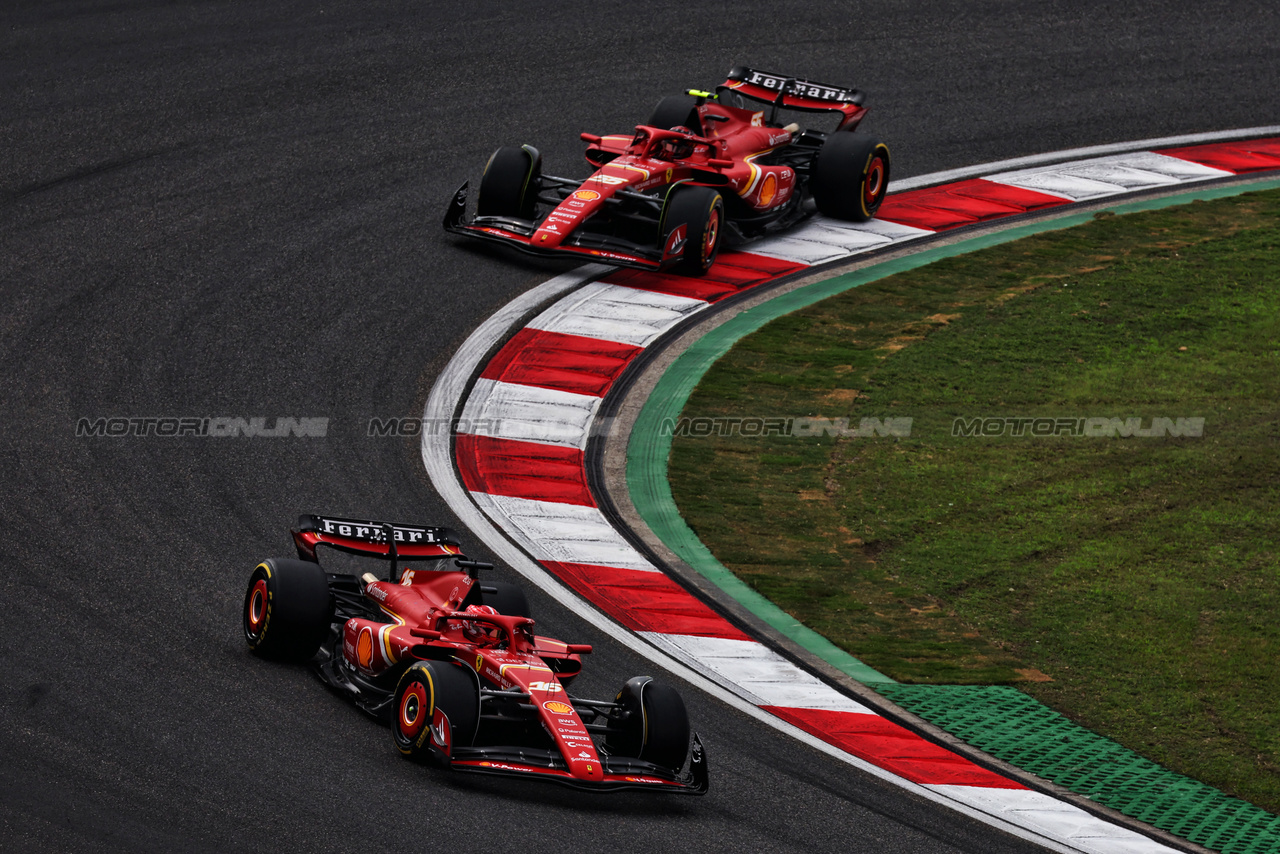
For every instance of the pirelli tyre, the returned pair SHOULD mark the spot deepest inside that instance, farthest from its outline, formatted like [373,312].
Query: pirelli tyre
[509,186]
[436,706]
[287,609]
[850,176]
[651,724]
[692,228]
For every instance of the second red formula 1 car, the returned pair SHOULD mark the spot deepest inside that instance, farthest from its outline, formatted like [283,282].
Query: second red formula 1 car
[706,165]
[454,666]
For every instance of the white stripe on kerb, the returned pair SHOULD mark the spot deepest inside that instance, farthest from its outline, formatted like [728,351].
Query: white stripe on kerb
[568,533]
[1108,176]
[1173,168]
[1053,818]
[528,413]
[756,672]
[821,239]
[616,313]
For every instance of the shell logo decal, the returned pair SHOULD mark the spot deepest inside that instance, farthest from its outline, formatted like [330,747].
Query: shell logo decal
[769,190]
[364,648]
[586,195]
[558,708]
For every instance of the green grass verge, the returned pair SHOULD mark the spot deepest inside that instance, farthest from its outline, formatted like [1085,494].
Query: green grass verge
[1130,583]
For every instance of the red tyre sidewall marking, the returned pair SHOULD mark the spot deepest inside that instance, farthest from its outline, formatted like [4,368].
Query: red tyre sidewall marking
[412,715]
[873,185]
[711,235]
[258,605]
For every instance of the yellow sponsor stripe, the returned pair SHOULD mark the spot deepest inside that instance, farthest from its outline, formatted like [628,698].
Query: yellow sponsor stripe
[755,173]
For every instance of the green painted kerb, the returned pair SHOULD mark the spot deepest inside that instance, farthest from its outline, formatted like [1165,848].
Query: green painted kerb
[649,449]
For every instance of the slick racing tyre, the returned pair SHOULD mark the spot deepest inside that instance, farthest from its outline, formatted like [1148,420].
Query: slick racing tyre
[677,111]
[437,706]
[692,225]
[505,599]
[509,186]
[287,609]
[653,726]
[850,176]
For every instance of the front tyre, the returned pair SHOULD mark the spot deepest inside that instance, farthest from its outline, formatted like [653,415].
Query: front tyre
[287,609]
[653,724]
[436,706]
[509,186]
[692,226]
[850,176]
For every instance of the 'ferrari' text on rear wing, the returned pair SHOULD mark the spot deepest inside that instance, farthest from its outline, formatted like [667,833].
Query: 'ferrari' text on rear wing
[362,536]
[795,93]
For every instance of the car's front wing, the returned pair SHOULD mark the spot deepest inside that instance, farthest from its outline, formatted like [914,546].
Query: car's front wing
[620,773]
[518,234]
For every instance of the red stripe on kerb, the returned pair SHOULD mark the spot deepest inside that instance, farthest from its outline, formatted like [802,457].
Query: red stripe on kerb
[732,272]
[893,748]
[644,601]
[523,470]
[962,203]
[1252,155]
[557,361]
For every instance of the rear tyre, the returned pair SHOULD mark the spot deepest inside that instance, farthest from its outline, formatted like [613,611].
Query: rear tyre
[692,226]
[506,599]
[509,186]
[850,176]
[437,706]
[654,726]
[677,111]
[287,609]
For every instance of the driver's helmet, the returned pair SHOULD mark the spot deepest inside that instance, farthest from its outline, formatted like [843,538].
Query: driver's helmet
[478,632]
[678,149]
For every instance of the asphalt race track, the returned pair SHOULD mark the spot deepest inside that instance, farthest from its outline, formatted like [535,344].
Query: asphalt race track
[232,210]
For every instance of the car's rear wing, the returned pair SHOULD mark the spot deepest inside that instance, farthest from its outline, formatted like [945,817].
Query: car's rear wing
[375,539]
[795,93]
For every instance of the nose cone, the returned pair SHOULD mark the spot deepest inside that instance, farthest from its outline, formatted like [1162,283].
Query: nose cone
[553,231]
[567,216]
[571,736]
[586,769]
[580,205]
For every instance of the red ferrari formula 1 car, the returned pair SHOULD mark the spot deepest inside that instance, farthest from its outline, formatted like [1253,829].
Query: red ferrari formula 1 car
[454,666]
[705,165]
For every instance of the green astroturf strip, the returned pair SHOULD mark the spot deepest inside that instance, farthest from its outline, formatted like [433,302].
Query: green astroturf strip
[1013,727]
